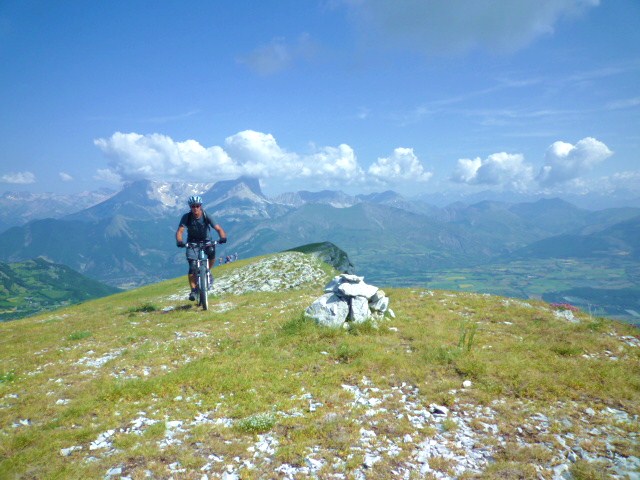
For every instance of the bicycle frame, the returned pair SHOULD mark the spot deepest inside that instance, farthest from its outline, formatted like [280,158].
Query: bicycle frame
[202,271]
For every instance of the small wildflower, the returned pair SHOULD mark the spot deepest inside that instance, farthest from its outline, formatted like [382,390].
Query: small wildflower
[565,306]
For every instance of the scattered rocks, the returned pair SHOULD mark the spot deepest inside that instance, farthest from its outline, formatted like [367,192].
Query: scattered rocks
[100,361]
[284,271]
[25,422]
[443,442]
[566,315]
[103,440]
[349,300]
[294,270]
[65,452]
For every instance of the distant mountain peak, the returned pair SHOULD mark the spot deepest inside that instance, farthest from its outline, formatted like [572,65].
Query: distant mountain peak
[223,187]
[381,197]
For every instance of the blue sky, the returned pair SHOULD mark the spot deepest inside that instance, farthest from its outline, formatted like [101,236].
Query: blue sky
[353,95]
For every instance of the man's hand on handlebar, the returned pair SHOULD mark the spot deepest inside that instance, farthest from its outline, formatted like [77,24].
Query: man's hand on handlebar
[222,240]
[180,244]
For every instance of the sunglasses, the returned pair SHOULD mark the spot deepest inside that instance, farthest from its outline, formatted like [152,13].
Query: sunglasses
[196,206]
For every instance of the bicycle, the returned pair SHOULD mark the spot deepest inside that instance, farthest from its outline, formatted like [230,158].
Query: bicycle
[202,271]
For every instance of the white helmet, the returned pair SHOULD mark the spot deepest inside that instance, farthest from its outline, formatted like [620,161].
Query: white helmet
[194,200]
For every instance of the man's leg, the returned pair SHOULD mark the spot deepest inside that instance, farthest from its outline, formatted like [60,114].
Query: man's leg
[192,280]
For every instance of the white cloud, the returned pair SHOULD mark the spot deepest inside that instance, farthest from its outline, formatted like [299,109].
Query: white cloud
[158,157]
[18,178]
[467,170]
[565,162]
[445,26]
[258,154]
[108,176]
[334,164]
[65,177]
[278,55]
[502,169]
[625,180]
[402,165]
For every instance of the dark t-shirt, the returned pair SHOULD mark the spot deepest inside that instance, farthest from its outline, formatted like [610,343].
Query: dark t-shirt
[197,231]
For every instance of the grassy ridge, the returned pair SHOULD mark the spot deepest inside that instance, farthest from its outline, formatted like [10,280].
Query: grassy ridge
[69,376]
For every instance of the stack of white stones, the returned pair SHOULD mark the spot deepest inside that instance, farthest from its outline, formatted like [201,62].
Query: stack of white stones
[348,299]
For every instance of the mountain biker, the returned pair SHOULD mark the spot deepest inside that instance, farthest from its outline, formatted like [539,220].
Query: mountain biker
[197,224]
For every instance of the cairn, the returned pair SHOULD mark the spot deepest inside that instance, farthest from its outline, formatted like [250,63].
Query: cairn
[349,300]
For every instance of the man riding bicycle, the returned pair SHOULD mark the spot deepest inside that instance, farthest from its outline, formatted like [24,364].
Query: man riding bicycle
[197,224]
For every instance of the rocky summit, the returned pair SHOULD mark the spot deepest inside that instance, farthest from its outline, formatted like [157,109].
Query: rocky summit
[349,300]
[457,386]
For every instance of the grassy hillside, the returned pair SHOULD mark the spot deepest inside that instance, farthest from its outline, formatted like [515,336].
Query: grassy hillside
[35,285]
[144,385]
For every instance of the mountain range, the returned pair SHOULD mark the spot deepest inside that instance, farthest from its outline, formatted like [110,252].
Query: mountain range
[18,208]
[128,239]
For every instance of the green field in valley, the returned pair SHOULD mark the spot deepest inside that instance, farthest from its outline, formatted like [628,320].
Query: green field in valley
[598,287]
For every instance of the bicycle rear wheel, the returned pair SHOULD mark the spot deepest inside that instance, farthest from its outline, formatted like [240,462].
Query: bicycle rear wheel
[204,287]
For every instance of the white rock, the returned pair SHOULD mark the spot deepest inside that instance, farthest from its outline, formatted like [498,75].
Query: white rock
[65,452]
[329,310]
[114,472]
[380,305]
[332,285]
[313,464]
[438,410]
[370,460]
[357,290]
[359,312]
[351,278]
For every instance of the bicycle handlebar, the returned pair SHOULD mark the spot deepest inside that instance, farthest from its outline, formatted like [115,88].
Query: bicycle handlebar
[200,244]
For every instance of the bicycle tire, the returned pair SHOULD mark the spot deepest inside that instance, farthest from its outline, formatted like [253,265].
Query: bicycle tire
[204,287]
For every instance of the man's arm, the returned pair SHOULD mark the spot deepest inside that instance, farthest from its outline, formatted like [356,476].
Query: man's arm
[221,233]
[179,233]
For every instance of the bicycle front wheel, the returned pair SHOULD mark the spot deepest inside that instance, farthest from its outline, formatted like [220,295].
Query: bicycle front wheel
[204,287]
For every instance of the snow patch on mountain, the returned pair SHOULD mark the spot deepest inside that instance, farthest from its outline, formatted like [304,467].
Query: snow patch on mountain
[175,195]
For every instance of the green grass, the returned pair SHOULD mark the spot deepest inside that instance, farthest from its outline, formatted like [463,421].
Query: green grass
[37,285]
[115,357]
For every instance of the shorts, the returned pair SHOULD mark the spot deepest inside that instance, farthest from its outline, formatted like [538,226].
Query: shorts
[192,256]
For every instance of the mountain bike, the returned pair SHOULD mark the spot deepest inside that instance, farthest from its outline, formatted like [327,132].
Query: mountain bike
[202,271]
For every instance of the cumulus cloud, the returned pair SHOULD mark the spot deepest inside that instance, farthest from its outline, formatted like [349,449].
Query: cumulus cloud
[402,165]
[443,26]
[18,178]
[278,55]
[65,177]
[503,169]
[335,164]
[565,162]
[107,175]
[258,154]
[158,157]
